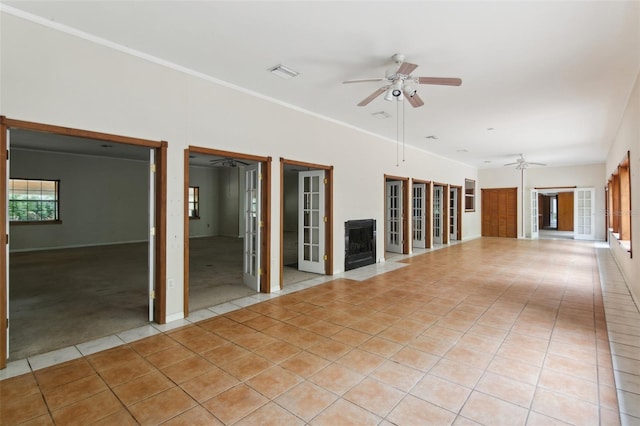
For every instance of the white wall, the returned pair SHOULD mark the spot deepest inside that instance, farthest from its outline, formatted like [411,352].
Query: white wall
[589,176]
[628,139]
[56,78]
[206,179]
[229,201]
[290,189]
[103,200]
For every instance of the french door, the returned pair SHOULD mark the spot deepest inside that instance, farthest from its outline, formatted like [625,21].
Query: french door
[311,221]
[534,214]
[584,213]
[252,215]
[419,215]
[453,214]
[6,253]
[394,212]
[437,214]
[152,230]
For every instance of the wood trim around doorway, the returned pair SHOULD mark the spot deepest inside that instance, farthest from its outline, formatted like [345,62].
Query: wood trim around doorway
[328,211]
[5,244]
[265,246]
[185,251]
[6,124]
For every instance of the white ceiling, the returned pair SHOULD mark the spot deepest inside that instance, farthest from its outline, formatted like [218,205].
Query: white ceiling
[551,78]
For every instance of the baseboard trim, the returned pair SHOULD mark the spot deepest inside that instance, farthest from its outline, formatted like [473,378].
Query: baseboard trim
[115,243]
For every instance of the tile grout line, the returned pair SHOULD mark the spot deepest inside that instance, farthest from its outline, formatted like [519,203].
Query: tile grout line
[609,270]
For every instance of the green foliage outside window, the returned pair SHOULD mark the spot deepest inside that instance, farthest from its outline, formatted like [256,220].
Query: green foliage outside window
[33,200]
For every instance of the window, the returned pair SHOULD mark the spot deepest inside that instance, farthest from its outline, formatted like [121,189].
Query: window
[469,195]
[33,200]
[619,200]
[194,202]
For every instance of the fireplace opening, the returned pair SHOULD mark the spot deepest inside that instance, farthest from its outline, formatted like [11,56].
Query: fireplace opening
[359,243]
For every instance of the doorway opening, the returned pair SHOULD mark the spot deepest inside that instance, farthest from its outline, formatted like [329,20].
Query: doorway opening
[556,213]
[574,212]
[306,221]
[87,255]
[226,195]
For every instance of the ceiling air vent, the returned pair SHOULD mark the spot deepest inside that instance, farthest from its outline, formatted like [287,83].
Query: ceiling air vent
[283,72]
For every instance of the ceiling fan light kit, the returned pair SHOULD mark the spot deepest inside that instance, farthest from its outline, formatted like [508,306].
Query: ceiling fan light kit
[401,84]
[522,164]
[228,162]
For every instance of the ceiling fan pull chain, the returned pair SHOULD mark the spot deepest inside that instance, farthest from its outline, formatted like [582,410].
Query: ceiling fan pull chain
[397,135]
[403,129]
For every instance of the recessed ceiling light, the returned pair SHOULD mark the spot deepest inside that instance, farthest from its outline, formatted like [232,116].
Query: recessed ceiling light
[487,161]
[489,128]
[381,114]
[283,72]
[462,150]
[434,137]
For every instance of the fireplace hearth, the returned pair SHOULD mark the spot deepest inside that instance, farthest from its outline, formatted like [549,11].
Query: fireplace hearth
[359,243]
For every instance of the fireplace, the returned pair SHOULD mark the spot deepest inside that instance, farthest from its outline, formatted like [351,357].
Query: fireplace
[359,243]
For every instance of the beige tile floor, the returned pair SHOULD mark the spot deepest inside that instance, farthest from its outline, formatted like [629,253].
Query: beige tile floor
[492,331]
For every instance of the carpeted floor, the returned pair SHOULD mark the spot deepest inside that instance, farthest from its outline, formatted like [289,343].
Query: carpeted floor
[63,297]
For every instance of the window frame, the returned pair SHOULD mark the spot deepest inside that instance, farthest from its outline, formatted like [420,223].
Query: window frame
[619,197]
[193,207]
[56,201]
[469,195]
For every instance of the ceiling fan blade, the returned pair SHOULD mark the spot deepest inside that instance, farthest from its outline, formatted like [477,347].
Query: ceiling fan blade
[536,164]
[406,68]
[440,80]
[414,100]
[511,164]
[364,80]
[372,96]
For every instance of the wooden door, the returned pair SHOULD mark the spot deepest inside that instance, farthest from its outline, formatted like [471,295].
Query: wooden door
[500,212]
[544,203]
[565,211]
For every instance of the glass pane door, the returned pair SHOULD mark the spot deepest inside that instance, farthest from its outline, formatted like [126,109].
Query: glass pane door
[311,225]
[394,217]
[437,215]
[418,215]
[252,215]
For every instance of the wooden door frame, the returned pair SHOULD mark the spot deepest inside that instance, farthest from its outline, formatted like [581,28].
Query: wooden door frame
[160,305]
[428,206]
[406,236]
[328,211]
[265,235]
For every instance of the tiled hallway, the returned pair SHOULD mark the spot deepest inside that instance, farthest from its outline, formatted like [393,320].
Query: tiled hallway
[491,331]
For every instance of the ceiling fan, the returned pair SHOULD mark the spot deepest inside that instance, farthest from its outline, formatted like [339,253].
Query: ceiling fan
[227,162]
[402,84]
[522,164]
